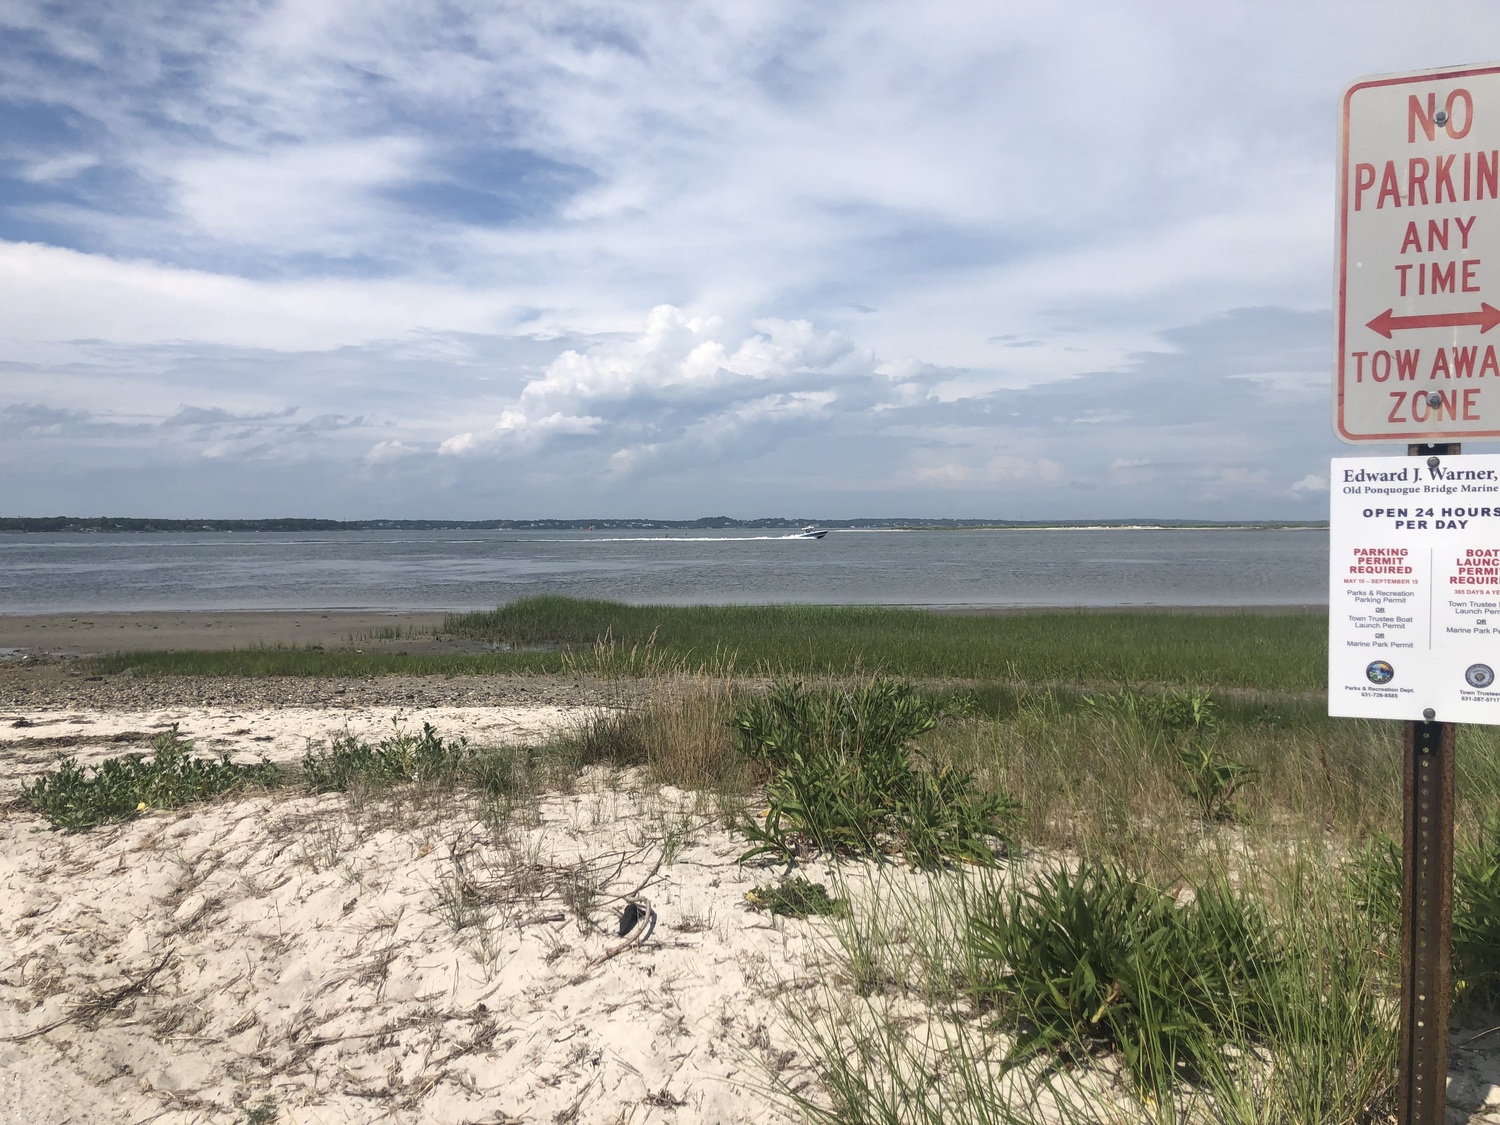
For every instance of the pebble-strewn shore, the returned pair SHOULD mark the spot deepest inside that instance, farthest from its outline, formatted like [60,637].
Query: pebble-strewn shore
[52,686]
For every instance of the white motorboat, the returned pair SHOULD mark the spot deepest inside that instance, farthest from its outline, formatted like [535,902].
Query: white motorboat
[809,532]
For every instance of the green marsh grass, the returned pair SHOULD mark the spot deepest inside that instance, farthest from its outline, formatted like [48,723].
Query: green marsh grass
[1272,652]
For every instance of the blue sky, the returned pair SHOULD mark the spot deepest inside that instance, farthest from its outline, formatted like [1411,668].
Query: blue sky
[676,259]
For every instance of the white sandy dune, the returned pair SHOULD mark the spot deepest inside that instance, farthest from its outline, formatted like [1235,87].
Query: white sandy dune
[391,960]
[32,740]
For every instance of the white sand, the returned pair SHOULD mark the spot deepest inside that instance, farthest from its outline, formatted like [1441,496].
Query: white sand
[282,734]
[305,953]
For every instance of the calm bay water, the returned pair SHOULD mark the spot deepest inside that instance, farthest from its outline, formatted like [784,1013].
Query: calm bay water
[453,570]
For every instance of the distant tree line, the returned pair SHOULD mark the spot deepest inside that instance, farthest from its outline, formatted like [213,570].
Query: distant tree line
[704,523]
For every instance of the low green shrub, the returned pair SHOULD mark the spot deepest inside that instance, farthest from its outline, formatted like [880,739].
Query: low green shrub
[795,898]
[400,757]
[842,779]
[1210,780]
[77,798]
[1188,725]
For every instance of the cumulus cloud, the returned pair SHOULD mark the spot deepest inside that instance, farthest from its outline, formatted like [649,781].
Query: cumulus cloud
[685,415]
[681,390]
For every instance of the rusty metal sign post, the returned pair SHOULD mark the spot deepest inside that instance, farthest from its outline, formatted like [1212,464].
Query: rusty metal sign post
[1426,907]
[1426,922]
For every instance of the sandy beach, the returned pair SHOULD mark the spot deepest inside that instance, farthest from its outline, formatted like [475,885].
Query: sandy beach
[335,959]
[303,954]
[405,957]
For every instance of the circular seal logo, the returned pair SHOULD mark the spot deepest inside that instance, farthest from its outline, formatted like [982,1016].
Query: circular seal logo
[1380,672]
[1480,675]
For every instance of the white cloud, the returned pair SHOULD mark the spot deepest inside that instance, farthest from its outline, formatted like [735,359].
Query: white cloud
[515,433]
[684,416]
[384,452]
[59,168]
[317,197]
[1312,483]
[51,294]
[679,386]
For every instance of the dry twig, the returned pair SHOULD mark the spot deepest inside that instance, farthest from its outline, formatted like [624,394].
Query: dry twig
[99,1004]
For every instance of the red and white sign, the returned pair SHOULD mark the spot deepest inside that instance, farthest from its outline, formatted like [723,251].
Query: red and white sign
[1419,258]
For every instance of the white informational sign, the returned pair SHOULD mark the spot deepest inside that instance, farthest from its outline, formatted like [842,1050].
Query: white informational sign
[1418,287]
[1414,588]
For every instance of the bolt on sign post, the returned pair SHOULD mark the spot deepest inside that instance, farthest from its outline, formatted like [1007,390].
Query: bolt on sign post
[1414,545]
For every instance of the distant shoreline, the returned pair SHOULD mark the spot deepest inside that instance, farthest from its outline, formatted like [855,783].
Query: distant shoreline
[134,525]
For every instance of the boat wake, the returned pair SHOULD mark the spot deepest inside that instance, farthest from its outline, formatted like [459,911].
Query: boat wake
[797,536]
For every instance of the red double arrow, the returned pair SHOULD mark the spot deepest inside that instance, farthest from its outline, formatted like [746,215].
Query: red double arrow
[1387,322]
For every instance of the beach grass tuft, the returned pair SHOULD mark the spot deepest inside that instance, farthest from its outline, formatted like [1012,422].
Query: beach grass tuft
[1088,993]
[401,757]
[842,779]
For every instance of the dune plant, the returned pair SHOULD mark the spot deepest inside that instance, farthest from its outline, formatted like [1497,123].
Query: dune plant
[1100,959]
[76,798]
[1090,995]
[1476,922]
[1374,875]
[795,897]
[400,757]
[1210,780]
[1189,710]
[842,778]
[1188,723]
